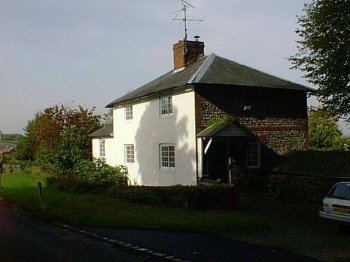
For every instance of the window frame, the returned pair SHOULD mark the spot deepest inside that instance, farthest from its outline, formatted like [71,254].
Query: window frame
[128,113]
[166,105]
[167,159]
[129,153]
[257,158]
[102,147]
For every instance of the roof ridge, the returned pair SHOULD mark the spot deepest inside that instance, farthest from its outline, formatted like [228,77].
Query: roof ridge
[196,77]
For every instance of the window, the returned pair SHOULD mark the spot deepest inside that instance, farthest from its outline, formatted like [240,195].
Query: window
[254,155]
[129,153]
[166,106]
[340,191]
[102,148]
[128,113]
[167,156]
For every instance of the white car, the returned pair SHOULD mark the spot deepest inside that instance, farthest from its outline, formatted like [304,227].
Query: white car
[336,204]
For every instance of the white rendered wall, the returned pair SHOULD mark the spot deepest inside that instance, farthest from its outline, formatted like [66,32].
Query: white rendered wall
[108,148]
[147,130]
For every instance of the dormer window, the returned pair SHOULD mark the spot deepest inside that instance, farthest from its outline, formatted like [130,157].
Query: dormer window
[128,113]
[166,106]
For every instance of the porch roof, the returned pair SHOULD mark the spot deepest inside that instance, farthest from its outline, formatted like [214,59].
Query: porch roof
[225,130]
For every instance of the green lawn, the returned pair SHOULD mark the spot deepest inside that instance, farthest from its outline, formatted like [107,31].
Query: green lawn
[8,142]
[101,210]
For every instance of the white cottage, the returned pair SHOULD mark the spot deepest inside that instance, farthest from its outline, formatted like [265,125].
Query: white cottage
[161,131]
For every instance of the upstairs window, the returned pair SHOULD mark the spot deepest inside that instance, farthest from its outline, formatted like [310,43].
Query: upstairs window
[254,155]
[128,113]
[129,153]
[166,106]
[102,148]
[167,156]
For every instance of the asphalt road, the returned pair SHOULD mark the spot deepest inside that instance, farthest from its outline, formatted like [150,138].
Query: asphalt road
[200,247]
[24,240]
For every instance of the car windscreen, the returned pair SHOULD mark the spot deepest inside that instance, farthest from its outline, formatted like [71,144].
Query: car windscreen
[340,191]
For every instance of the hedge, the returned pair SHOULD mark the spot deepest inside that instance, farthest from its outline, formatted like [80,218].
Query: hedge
[300,189]
[193,197]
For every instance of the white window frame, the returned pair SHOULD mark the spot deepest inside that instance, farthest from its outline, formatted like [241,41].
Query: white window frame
[102,147]
[254,155]
[129,151]
[128,113]
[167,156]
[166,106]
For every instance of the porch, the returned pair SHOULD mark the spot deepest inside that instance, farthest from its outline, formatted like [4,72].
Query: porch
[225,152]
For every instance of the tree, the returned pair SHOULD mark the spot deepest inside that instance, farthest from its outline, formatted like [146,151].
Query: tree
[324,132]
[59,135]
[324,52]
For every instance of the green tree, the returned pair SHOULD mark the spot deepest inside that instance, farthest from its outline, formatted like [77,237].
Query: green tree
[324,132]
[324,52]
[59,135]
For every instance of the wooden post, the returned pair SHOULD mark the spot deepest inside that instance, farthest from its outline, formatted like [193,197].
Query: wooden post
[41,197]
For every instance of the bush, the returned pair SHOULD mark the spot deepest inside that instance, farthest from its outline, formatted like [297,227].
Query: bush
[89,177]
[99,171]
[74,185]
[299,190]
[194,197]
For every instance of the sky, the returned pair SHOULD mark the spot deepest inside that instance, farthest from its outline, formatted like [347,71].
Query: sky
[91,52]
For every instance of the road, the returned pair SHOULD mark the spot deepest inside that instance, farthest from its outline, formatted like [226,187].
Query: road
[24,240]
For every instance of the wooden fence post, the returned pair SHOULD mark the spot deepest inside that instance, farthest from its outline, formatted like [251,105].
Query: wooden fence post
[41,197]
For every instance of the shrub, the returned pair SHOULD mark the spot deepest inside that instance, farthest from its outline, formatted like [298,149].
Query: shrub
[194,197]
[99,171]
[299,190]
[74,185]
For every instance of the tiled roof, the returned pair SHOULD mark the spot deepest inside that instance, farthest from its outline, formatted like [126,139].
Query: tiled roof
[226,130]
[169,80]
[211,70]
[104,132]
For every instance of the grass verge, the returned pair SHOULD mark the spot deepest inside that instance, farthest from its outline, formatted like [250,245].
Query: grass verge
[104,211]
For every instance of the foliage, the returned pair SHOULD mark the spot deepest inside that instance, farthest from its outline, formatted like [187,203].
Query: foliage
[90,177]
[11,137]
[59,135]
[324,132]
[104,211]
[12,163]
[217,122]
[97,170]
[193,197]
[299,190]
[324,52]
[73,184]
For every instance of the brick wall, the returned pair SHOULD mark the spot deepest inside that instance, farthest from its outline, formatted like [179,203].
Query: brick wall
[186,52]
[277,117]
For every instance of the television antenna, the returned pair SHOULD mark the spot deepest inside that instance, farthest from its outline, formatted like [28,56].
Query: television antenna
[185,5]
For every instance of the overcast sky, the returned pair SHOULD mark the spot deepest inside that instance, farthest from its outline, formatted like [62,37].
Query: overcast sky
[91,52]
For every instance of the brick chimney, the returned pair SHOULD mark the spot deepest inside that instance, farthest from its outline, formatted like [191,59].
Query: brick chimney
[187,52]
